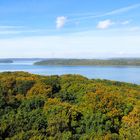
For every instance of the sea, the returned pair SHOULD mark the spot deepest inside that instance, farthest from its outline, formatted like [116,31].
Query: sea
[130,74]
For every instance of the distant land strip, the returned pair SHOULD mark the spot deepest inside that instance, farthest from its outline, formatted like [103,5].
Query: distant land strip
[6,61]
[90,62]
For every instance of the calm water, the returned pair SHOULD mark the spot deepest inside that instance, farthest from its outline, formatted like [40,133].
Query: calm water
[126,74]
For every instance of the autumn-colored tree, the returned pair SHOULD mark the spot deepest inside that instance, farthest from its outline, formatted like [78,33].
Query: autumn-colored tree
[67,107]
[40,89]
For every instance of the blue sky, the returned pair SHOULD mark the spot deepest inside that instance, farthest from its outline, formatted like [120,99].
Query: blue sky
[69,28]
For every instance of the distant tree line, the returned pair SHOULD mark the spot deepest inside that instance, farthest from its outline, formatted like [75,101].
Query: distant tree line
[6,61]
[91,62]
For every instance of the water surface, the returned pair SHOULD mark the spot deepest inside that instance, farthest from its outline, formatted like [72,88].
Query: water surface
[119,73]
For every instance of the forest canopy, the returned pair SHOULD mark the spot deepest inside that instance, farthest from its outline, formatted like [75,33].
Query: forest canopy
[67,107]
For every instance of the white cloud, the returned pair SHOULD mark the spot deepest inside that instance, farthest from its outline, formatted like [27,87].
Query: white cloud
[126,22]
[11,27]
[61,21]
[109,13]
[22,30]
[6,29]
[134,29]
[104,24]
[121,53]
[122,10]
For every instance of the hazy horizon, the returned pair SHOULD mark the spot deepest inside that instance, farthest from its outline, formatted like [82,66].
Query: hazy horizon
[102,58]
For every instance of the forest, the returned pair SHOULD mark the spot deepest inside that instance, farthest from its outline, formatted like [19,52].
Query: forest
[67,107]
[91,62]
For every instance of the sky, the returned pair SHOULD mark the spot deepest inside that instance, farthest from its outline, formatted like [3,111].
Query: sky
[69,28]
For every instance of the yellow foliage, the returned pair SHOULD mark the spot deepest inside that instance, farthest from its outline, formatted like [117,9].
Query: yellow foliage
[39,89]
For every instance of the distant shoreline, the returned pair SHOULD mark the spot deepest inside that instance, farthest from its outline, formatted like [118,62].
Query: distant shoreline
[119,62]
[89,62]
[6,61]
